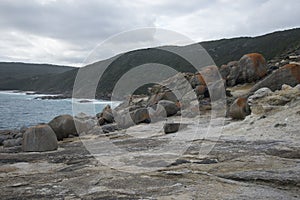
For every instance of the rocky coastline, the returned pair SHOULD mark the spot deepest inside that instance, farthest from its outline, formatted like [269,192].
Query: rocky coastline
[255,156]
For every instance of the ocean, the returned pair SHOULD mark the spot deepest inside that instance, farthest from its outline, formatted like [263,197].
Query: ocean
[17,109]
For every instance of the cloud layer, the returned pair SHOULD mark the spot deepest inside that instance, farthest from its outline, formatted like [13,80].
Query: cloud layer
[65,31]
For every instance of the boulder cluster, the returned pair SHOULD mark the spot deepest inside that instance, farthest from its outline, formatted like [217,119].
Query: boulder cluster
[185,94]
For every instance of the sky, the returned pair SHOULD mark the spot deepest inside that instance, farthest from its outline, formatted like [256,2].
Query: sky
[65,32]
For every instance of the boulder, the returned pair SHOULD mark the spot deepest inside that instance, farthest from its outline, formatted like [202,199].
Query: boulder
[252,67]
[63,126]
[106,116]
[140,115]
[239,109]
[288,74]
[234,73]
[170,107]
[39,138]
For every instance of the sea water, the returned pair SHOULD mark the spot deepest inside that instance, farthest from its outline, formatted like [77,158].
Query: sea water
[19,109]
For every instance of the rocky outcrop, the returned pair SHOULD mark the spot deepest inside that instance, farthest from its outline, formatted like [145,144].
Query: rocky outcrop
[39,138]
[288,74]
[63,126]
[264,101]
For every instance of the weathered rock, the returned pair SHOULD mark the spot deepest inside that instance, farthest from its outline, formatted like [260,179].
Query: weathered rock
[12,142]
[234,73]
[109,128]
[140,116]
[108,117]
[288,74]
[252,67]
[157,113]
[101,121]
[63,126]
[239,109]
[200,90]
[170,107]
[264,101]
[84,125]
[39,138]
[173,127]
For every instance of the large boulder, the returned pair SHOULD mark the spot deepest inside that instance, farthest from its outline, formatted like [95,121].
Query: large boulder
[63,126]
[288,74]
[239,109]
[39,138]
[170,107]
[252,67]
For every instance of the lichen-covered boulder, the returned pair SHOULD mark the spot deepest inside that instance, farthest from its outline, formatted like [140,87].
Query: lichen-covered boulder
[252,67]
[39,138]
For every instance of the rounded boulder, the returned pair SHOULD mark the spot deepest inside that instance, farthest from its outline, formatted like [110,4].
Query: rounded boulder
[39,138]
[63,126]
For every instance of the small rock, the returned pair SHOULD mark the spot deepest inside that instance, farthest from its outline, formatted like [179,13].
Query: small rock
[280,125]
[140,116]
[239,109]
[173,127]
[170,107]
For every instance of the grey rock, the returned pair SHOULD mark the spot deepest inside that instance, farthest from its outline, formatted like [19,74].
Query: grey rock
[63,126]
[173,127]
[39,138]
[170,107]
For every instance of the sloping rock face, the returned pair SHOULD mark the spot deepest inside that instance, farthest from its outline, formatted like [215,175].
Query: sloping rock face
[39,138]
[288,74]
[63,126]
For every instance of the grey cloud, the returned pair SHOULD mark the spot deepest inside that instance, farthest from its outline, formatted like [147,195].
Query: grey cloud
[65,31]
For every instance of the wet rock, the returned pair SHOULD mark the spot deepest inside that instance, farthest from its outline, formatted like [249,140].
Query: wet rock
[239,109]
[39,138]
[63,126]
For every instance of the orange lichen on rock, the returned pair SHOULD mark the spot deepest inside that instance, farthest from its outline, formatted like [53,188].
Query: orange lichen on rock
[295,70]
[241,102]
[258,63]
[200,78]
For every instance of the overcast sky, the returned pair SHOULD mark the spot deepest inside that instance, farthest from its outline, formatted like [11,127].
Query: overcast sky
[66,31]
